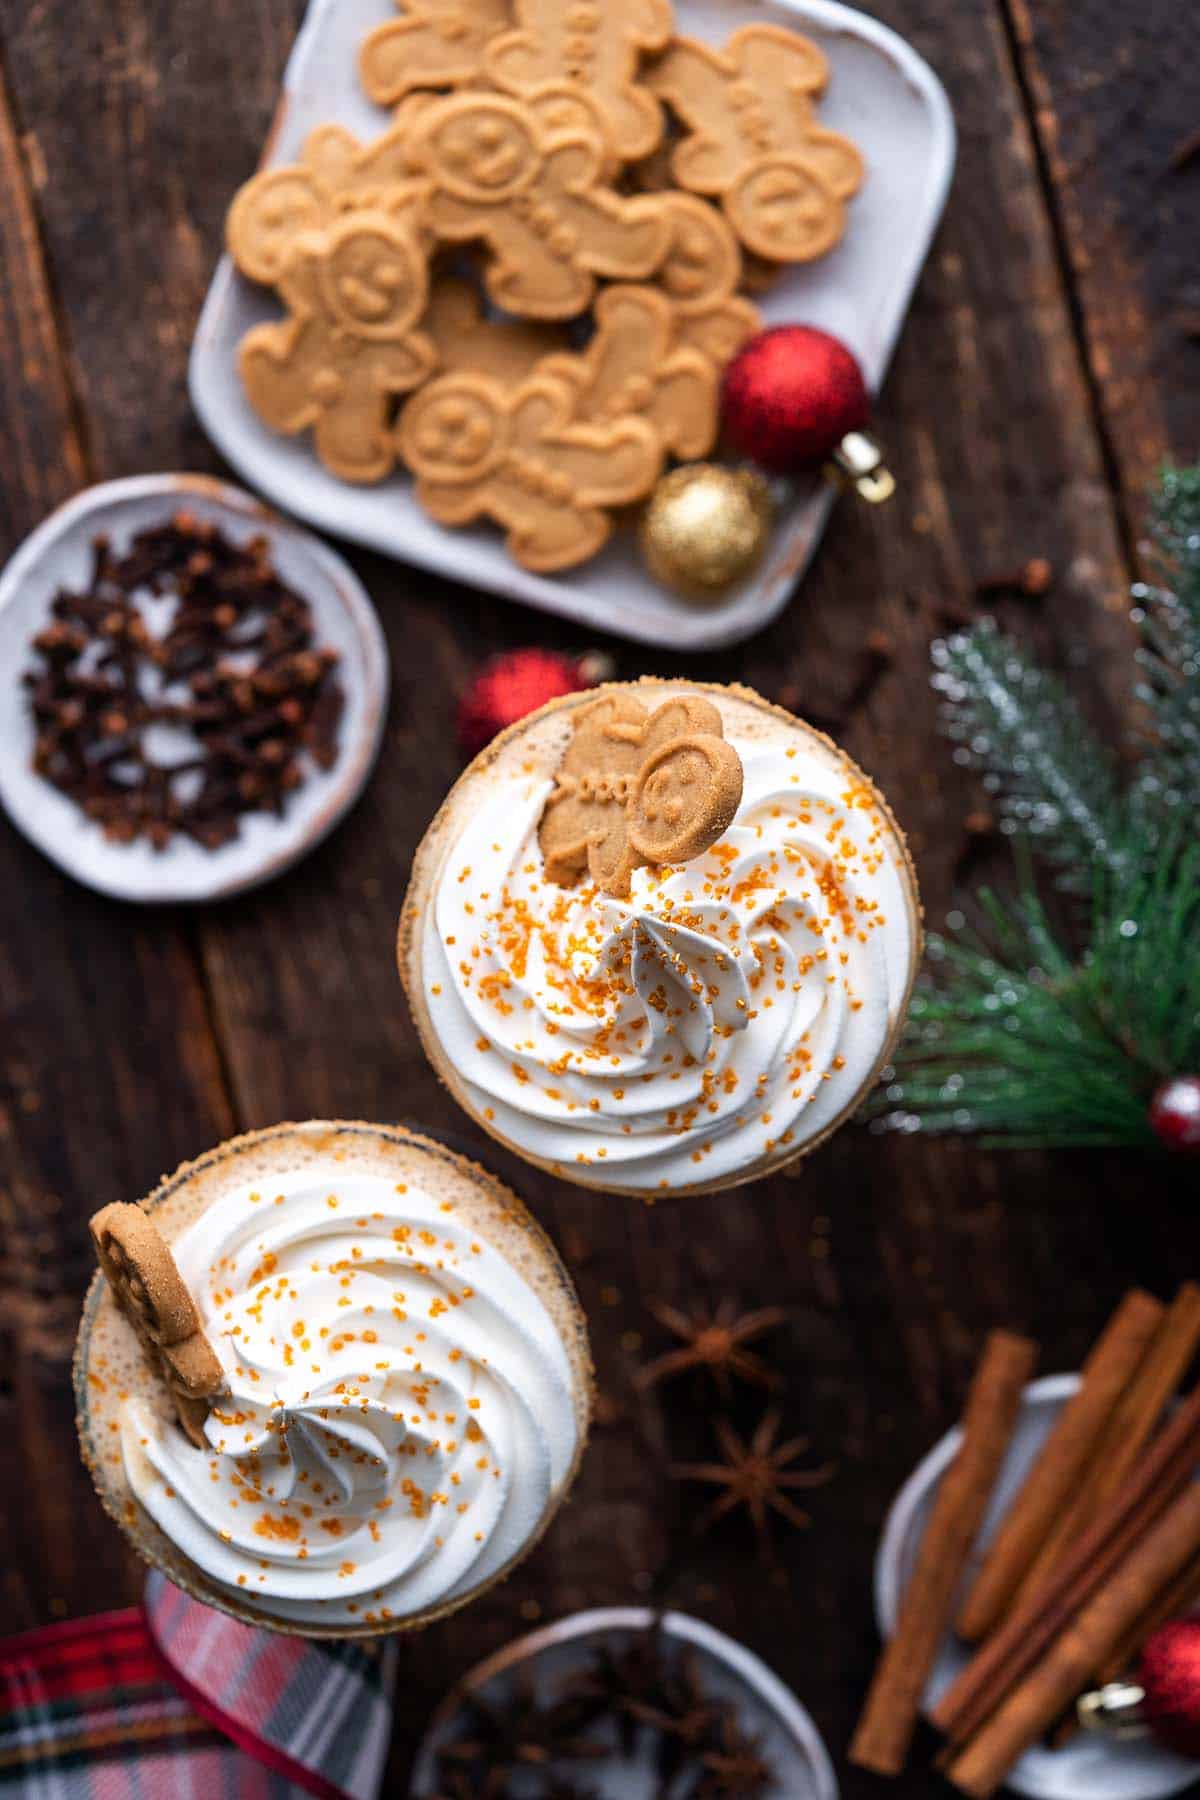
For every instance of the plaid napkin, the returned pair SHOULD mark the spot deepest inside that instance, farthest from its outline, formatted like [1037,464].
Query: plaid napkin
[177,1702]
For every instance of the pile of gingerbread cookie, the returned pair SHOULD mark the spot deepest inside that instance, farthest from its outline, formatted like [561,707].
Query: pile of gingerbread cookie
[526,289]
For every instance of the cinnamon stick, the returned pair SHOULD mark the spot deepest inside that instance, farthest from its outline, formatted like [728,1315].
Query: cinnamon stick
[1085,1643]
[1132,1424]
[889,1718]
[1165,1469]
[1053,1480]
[1176,1599]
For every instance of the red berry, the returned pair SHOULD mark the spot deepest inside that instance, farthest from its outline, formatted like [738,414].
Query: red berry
[511,686]
[790,396]
[1175,1113]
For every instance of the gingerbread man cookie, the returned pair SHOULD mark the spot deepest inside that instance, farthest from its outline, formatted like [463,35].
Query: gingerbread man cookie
[594,45]
[350,346]
[505,350]
[748,108]
[537,201]
[437,44]
[559,110]
[632,369]
[637,788]
[148,1288]
[700,275]
[517,457]
[336,174]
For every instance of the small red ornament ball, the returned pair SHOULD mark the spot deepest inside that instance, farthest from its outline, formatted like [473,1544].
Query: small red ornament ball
[510,686]
[1175,1113]
[790,396]
[1170,1676]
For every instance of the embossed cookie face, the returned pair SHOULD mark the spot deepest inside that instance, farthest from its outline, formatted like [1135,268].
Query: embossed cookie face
[635,788]
[484,152]
[454,431]
[676,802]
[781,208]
[373,281]
[267,217]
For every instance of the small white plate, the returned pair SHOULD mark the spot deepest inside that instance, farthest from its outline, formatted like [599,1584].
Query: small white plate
[766,1708]
[58,555]
[1089,1768]
[881,94]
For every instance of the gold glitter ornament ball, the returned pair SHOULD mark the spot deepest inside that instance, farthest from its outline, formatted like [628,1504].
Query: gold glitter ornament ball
[704,528]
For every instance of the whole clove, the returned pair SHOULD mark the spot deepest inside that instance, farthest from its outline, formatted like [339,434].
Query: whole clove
[234,670]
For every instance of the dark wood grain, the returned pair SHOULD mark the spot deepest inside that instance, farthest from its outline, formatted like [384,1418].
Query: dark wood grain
[108,1072]
[1113,91]
[894,1257]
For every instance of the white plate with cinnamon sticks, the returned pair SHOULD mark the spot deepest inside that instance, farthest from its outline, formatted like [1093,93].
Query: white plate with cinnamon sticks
[1071,1483]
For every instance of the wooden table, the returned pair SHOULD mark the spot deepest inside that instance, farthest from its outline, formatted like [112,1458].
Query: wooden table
[1044,370]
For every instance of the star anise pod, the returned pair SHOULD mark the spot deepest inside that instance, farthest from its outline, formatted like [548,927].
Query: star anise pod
[756,1475]
[619,1683]
[520,1732]
[462,1786]
[714,1341]
[732,1768]
[685,1719]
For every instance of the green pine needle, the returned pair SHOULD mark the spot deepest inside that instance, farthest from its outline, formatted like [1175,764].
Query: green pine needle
[1052,781]
[1169,778]
[1012,1037]
[1030,1034]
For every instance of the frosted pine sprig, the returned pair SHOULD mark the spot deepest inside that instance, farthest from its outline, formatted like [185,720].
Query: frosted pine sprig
[1051,780]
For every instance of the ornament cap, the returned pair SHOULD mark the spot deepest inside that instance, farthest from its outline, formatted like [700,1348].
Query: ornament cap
[1114,1711]
[858,463]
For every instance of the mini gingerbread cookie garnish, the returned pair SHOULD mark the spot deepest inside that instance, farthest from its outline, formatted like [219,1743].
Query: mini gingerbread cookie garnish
[637,788]
[632,369]
[537,200]
[336,174]
[148,1288]
[594,45]
[437,44]
[751,140]
[516,456]
[350,346]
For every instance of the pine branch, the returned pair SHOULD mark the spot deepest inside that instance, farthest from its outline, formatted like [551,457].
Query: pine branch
[1053,781]
[1015,1039]
[1168,778]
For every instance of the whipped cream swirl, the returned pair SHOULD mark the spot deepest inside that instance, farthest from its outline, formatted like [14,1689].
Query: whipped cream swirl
[730,1010]
[400,1413]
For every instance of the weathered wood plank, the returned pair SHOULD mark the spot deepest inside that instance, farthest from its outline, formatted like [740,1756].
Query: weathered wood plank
[44,458]
[1114,91]
[107,1068]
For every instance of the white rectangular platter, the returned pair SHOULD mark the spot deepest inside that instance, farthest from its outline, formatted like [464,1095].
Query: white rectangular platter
[881,94]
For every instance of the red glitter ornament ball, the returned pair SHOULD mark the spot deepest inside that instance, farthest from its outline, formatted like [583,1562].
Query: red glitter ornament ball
[1170,1675]
[1175,1113]
[512,685]
[790,396]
